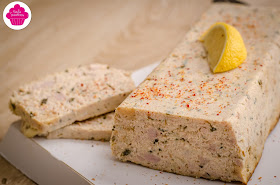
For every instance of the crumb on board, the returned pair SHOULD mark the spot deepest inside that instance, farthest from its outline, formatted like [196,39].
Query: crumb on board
[260,178]
[93,179]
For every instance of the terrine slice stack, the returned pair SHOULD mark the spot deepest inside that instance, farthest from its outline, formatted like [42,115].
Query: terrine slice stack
[75,94]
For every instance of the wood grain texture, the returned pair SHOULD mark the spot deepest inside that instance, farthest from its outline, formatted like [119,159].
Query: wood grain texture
[10,175]
[127,34]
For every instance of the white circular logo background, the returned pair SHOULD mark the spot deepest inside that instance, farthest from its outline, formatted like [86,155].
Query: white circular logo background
[16,24]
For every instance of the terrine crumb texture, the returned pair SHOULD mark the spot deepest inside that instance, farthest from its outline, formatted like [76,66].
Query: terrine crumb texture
[97,128]
[73,95]
[186,120]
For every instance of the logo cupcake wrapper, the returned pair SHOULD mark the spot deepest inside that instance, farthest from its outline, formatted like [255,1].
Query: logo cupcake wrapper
[17,15]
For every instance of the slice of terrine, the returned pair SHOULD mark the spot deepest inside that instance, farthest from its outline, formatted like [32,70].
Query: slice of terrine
[98,128]
[72,95]
[186,120]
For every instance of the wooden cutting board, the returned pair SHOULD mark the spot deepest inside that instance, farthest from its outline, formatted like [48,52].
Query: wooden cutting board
[123,33]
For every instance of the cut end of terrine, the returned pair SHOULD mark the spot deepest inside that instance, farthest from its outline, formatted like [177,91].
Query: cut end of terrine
[181,145]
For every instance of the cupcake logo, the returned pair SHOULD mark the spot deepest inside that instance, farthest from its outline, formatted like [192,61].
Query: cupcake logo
[17,15]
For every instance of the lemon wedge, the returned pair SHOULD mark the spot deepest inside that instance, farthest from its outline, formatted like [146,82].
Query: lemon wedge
[225,47]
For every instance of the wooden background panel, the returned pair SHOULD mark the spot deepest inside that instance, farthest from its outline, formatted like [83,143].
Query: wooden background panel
[125,34]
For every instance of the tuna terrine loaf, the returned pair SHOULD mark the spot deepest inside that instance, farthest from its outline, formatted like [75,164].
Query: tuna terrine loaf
[186,120]
[73,95]
[97,128]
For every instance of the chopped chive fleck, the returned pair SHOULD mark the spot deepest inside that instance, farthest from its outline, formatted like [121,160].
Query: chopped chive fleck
[66,71]
[151,151]
[44,101]
[213,129]
[71,99]
[126,152]
[260,83]
[113,138]
[31,114]
[162,130]
[13,106]
[72,89]
[110,86]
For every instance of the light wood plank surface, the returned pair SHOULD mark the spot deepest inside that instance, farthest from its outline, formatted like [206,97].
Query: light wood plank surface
[123,33]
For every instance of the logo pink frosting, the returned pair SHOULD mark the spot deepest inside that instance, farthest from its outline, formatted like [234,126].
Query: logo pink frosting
[17,15]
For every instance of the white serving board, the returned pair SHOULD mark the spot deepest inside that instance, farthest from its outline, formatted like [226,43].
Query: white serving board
[67,161]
